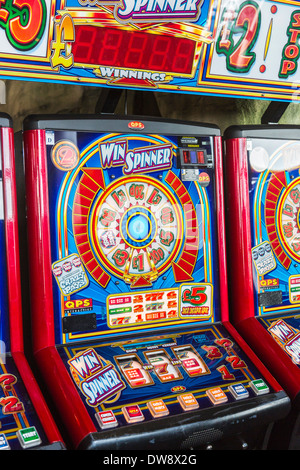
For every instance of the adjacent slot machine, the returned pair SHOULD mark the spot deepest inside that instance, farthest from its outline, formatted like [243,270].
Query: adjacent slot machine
[262,173]
[25,420]
[129,290]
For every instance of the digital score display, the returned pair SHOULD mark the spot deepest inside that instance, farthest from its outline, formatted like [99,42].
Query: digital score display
[131,49]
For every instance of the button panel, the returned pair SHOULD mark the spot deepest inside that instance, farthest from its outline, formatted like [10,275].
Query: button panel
[153,378]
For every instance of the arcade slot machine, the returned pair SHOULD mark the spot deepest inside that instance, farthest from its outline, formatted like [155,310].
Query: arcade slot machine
[263,199]
[128,286]
[25,420]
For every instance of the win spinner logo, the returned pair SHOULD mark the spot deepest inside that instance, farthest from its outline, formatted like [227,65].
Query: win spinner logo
[158,10]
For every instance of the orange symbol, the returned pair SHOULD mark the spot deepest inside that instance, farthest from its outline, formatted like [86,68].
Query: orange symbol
[65,155]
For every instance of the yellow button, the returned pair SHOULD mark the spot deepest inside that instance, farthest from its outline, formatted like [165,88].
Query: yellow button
[157,408]
[216,395]
[188,401]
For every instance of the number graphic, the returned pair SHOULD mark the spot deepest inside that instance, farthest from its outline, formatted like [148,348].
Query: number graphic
[236,362]
[288,229]
[110,47]
[295,195]
[23,21]
[107,217]
[296,245]
[196,296]
[212,352]
[11,405]
[226,375]
[135,49]
[245,22]
[120,257]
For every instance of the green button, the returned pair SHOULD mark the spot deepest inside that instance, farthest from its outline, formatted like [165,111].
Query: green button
[259,387]
[29,437]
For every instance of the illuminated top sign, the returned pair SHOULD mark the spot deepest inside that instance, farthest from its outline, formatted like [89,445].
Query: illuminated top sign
[219,47]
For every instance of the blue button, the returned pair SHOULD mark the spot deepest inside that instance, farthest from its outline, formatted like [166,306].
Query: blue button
[4,445]
[238,391]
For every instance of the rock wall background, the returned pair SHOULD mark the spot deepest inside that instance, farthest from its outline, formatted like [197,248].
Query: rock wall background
[24,98]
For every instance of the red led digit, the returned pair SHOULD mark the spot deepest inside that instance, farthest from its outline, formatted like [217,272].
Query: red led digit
[135,49]
[110,46]
[83,47]
[186,157]
[160,52]
[183,56]
[200,155]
